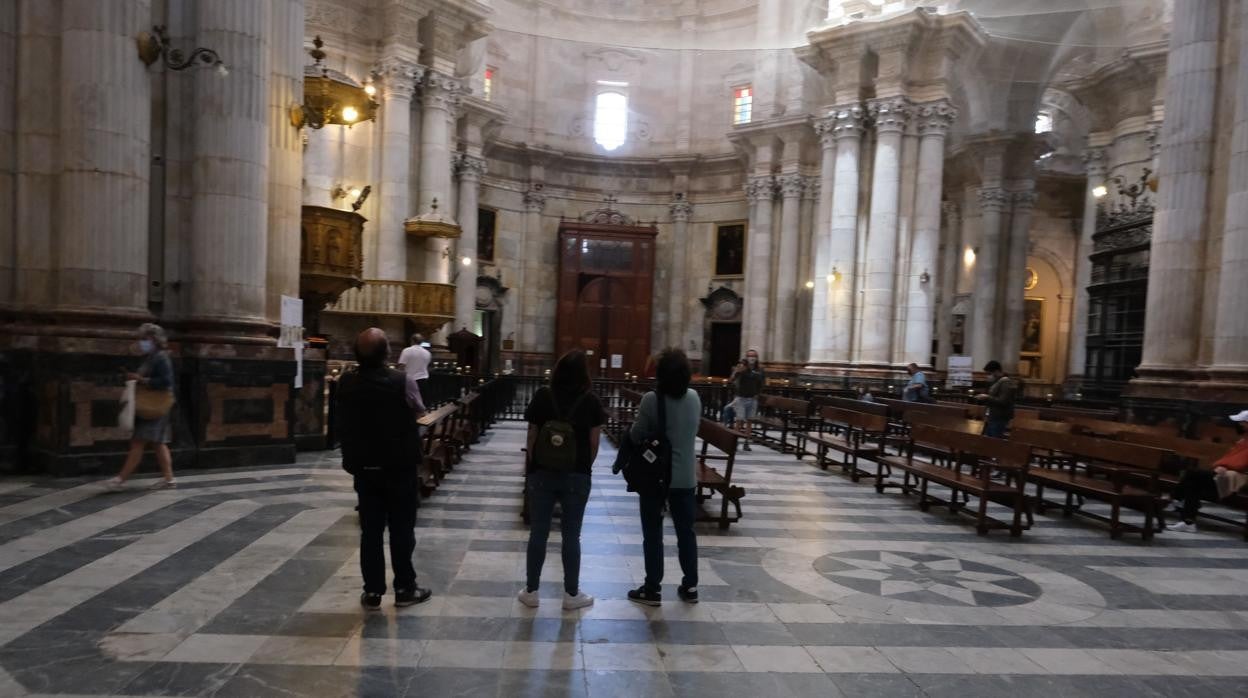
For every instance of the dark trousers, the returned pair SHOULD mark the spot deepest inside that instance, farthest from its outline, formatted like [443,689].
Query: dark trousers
[571,490]
[682,505]
[387,500]
[996,427]
[1194,486]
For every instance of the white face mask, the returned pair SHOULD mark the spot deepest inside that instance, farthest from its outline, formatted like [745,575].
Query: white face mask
[751,360]
[145,346]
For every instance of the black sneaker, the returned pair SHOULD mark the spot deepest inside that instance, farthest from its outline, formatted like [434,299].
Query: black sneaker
[370,601]
[688,594]
[645,597]
[746,447]
[411,597]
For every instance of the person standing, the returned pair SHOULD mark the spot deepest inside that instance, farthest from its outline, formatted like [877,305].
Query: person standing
[747,381]
[999,400]
[565,424]
[155,375]
[917,389]
[415,361]
[377,411]
[683,408]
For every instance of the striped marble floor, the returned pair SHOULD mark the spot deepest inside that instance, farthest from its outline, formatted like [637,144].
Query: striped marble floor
[246,583]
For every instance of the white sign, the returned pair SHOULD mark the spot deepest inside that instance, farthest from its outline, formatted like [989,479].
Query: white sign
[617,361]
[960,372]
[292,323]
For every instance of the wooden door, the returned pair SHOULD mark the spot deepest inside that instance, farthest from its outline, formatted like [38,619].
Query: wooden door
[725,347]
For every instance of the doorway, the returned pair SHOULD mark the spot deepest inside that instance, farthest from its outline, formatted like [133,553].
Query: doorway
[725,347]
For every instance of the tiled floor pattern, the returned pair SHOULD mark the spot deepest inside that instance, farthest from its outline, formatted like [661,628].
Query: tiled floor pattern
[246,583]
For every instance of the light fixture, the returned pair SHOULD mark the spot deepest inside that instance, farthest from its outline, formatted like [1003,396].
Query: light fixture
[968,257]
[1099,191]
[155,45]
[810,284]
[370,89]
[835,275]
[466,261]
[331,97]
[355,192]
[925,277]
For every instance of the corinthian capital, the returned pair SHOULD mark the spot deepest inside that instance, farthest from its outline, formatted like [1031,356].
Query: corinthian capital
[1095,162]
[791,185]
[812,189]
[397,76]
[1024,199]
[890,114]
[936,118]
[761,188]
[440,91]
[469,167]
[846,121]
[534,200]
[993,199]
[680,208]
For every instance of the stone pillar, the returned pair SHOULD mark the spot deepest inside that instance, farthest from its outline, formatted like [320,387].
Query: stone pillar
[806,253]
[760,190]
[1095,162]
[788,272]
[8,151]
[469,168]
[229,204]
[285,154]
[984,330]
[821,240]
[935,118]
[890,116]
[105,156]
[1015,277]
[38,133]
[834,276]
[951,257]
[318,171]
[530,265]
[1230,343]
[678,278]
[1176,271]
[397,78]
[437,105]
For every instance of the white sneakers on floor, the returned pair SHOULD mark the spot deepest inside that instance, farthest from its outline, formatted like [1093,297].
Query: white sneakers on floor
[528,598]
[113,485]
[570,603]
[1182,527]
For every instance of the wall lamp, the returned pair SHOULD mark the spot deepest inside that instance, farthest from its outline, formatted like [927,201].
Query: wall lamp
[968,257]
[835,275]
[1100,191]
[155,45]
[357,195]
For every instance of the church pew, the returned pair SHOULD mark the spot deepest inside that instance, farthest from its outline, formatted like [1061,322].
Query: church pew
[710,480]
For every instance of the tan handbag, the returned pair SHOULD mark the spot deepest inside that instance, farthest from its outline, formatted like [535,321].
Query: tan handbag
[152,404]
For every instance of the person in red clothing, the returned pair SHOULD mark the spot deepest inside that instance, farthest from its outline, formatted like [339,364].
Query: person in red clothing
[1229,475]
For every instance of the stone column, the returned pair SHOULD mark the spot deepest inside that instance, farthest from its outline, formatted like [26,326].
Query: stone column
[229,204]
[397,78]
[1095,162]
[836,274]
[791,187]
[437,105]
[890,116]
[935,118]
[1176,271]
[821,240]
[1015,277]
[1230,343]
[105,156]
[806,255]
[38,133]
[534,202]
[984,330]
[8,151]
[285,154]
[678,278]
[951,257]
[760,190]
[469,168]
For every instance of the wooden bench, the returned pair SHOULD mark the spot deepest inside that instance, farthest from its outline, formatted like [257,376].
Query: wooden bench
[710,480]
[1219,433]
[967,470]
[1200,455]
[1120,474]
[852,434]
[1107,428]
[621,411]
[436,446]
[1042,425]
[782,414]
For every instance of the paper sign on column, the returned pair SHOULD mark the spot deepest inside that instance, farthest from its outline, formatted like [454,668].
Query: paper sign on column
[617,361]
[960,373]
[292,333]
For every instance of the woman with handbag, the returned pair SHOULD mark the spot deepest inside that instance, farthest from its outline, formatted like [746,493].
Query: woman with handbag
[681,412]
[153,402]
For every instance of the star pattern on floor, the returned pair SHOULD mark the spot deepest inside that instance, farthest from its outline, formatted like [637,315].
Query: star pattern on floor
[927,578]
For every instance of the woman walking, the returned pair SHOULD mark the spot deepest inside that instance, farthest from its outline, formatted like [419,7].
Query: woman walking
[155,378]
[565,423]
[683,410]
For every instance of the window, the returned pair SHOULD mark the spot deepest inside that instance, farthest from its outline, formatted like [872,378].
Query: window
[730,249]
[486,220]
[487,85]
[1044,122]
[742,105]
[611,117]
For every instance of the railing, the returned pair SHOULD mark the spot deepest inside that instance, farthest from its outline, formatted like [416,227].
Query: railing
[399,298]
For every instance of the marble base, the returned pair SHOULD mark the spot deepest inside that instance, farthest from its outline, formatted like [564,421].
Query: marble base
[1183,393]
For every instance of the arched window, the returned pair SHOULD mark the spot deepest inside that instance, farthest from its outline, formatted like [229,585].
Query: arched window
[611,119]
[1044,122]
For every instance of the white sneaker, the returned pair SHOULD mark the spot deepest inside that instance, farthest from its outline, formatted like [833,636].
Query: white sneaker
[528,598]
[1182,527]
[163,484]
[581,600]
[113,485]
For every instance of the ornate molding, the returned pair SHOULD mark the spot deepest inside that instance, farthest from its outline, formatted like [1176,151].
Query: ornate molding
[1024,199]
[469,168]
[1154,138]
[397,76]
[680,208]
[760,188]
[993,199]
[534,200]
[440,91]
[825,129]
[890,114]
[936,118]
[813,188]
[847,121]
[1095,162]
[791,186]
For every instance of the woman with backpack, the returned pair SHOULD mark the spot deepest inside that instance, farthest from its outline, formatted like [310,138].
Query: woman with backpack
[565,423]
[681,410]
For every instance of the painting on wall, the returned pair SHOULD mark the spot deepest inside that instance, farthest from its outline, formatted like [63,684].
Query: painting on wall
[730,249]
[1033,325]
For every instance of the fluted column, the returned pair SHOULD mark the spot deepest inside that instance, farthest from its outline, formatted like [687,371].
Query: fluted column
[105,155]
[437,103]
[1015,279]
[935,118]
[951,257]
[469,168]
[229,206]
[890,117]
[832,321]
[397,77]
[1095,162]
[821,240]
[8,150]
[791,187]
[1230,344]
[984,329]
[760,190]
[678,278]
[286,59]
[1176,280]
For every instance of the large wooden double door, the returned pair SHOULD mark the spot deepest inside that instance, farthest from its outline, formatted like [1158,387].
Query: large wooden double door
[606,278]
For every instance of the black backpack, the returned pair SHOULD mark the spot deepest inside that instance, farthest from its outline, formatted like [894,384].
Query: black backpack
[555,447]
[647,465]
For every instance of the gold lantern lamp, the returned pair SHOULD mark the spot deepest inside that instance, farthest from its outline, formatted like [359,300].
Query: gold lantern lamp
[331,97]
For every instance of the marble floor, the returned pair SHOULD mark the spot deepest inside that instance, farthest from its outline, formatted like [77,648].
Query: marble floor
[246,583]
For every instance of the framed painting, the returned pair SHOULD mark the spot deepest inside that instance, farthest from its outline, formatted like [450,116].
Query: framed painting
[730,249]
[1033,325]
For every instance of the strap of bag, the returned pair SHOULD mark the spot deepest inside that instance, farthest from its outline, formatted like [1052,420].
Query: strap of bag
[662,435]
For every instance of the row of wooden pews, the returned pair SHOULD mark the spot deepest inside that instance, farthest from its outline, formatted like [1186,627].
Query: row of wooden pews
[449,431]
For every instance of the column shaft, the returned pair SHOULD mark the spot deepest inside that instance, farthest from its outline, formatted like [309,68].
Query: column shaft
[757,310]
[837,276]
[436,105]
[530,270]
[785,311]
[1094,158]
[8,151]
[890,117]
[1016,268]
[678,277]
[1230,344]
[397,78]
[285,154]
[984,330]
[38,136]
[934,122]
[821,241]
[951,257]
[470,169]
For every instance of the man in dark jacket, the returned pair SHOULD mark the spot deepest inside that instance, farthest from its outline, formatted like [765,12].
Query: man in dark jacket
[377,410]
[998,401]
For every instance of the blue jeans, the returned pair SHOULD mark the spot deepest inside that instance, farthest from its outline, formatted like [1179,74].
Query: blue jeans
[571,490]
[682,505]
[996,427]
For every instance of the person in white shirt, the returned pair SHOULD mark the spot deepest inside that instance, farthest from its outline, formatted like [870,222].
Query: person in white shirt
[415,361]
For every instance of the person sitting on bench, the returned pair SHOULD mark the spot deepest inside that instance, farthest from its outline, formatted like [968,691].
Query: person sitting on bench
[1229,475]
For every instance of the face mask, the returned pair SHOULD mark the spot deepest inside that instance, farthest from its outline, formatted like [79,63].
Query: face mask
[751,361]
[145,346]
